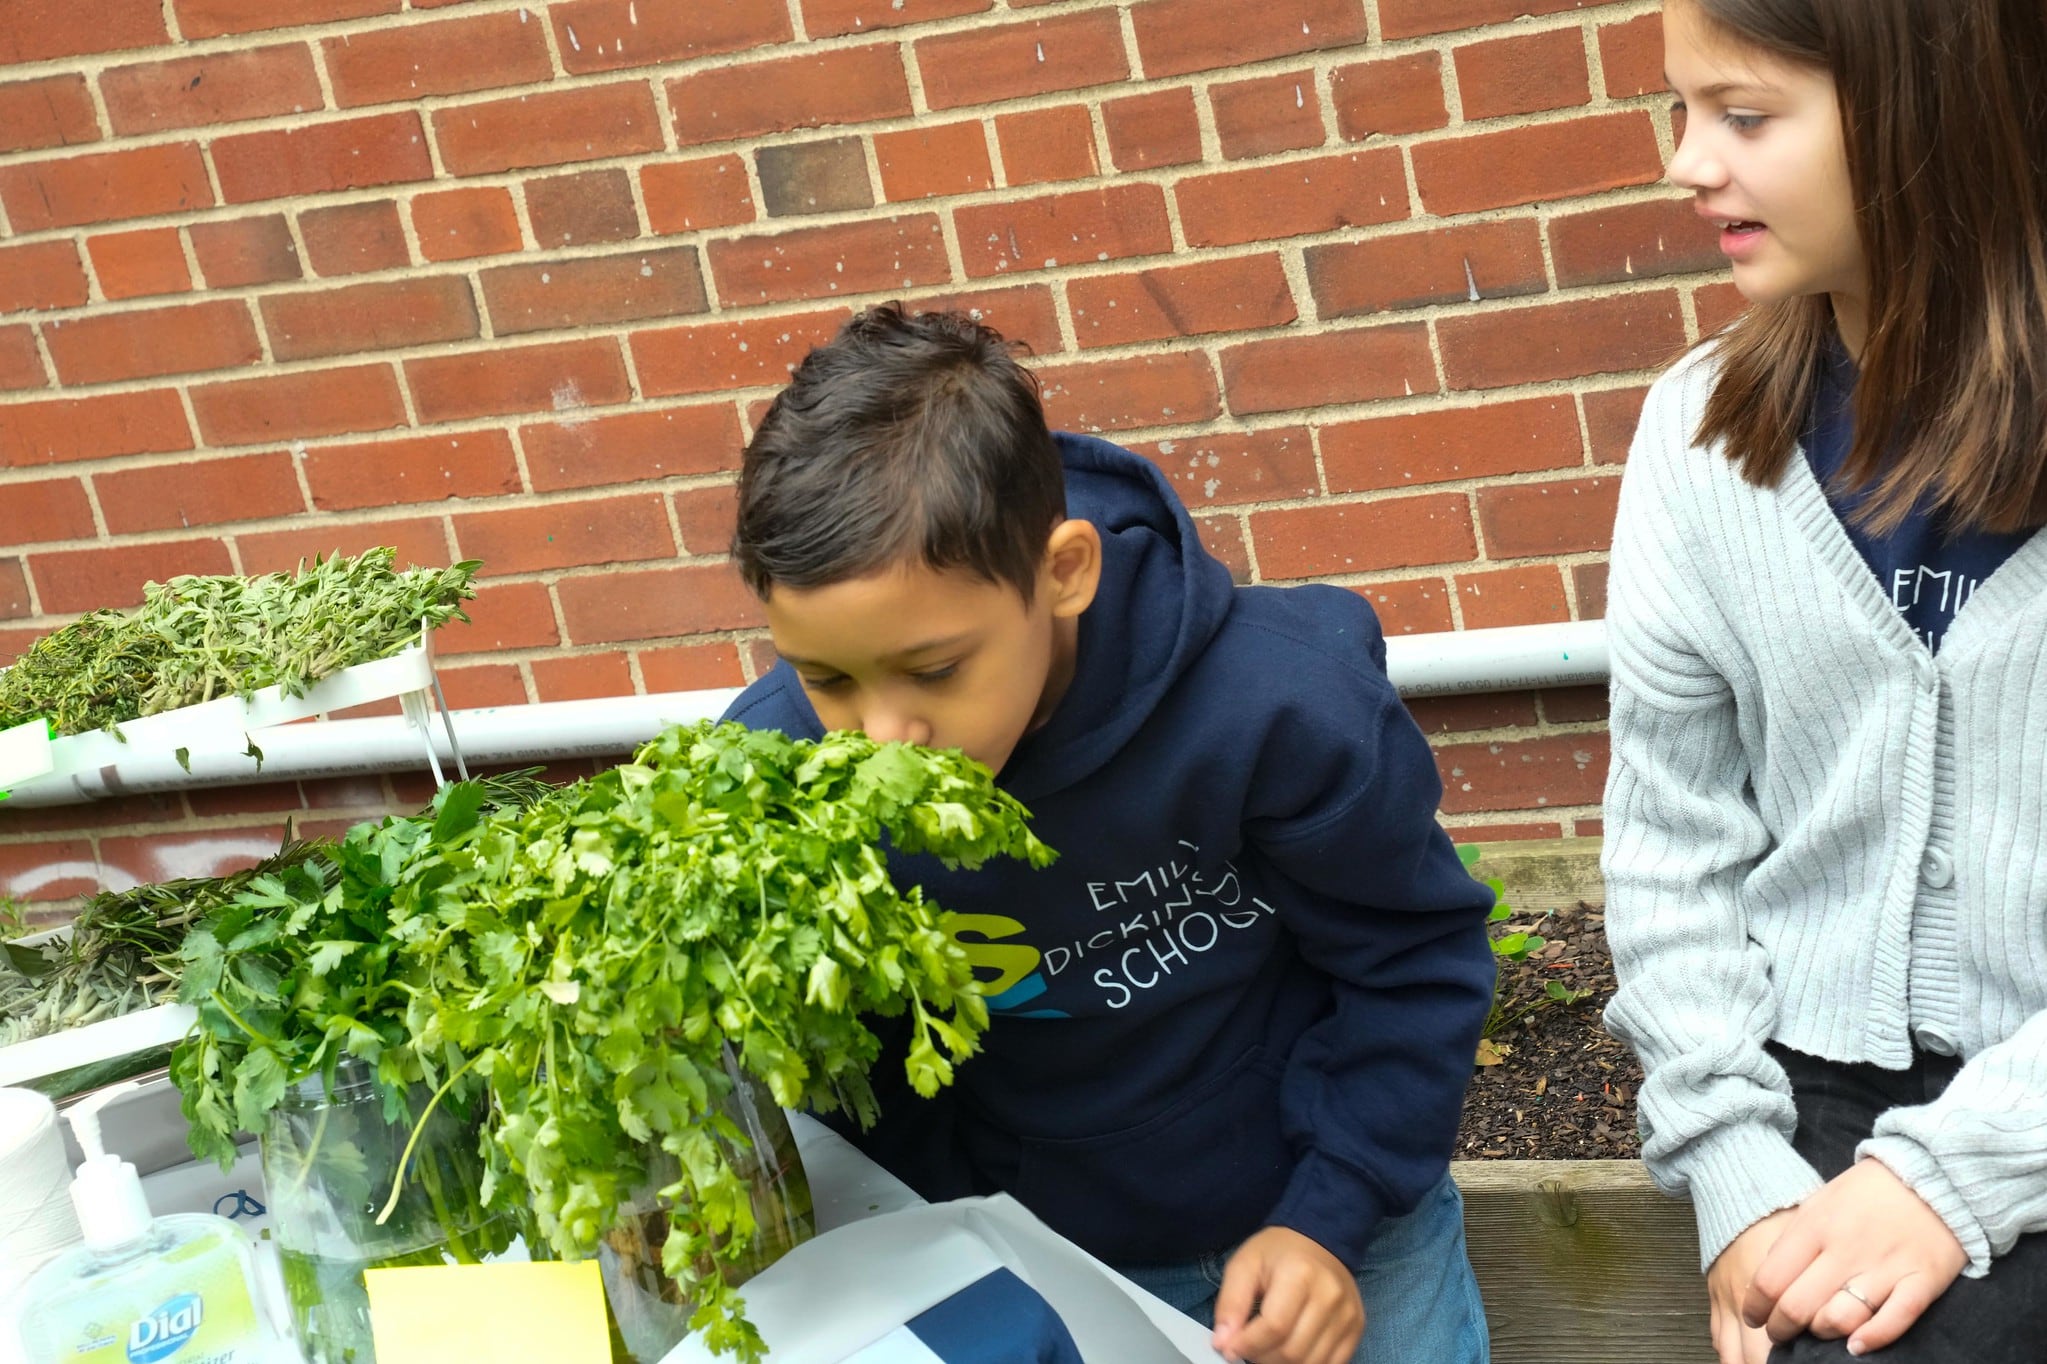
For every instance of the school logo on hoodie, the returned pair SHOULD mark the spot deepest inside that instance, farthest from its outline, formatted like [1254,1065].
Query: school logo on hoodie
[1155,925]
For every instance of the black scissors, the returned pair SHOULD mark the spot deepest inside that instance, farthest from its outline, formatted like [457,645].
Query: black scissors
[239,1205]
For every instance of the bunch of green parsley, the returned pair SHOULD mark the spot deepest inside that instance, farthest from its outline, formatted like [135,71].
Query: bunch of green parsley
[584,960]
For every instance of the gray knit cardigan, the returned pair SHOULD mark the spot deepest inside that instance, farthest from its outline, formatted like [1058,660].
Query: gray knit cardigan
[1819,833]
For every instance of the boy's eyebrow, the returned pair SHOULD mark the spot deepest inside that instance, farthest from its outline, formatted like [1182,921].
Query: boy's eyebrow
[926,647]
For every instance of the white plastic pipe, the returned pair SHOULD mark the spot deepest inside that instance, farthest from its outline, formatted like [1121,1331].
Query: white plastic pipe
[1511,659]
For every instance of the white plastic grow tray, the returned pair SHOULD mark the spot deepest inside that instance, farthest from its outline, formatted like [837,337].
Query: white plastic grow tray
[230,730]
[163,1026]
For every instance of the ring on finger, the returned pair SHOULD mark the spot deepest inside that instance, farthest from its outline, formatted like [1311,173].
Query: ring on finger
[1852,1291]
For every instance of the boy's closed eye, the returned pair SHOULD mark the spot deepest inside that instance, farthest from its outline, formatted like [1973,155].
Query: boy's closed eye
[830,683]
[929,677]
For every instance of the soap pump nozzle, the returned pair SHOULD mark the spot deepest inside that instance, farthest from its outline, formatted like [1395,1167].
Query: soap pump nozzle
[107,1190]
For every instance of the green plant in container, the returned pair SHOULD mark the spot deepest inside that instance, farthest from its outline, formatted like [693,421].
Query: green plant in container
[602,974]
[372,1158]
[599,956]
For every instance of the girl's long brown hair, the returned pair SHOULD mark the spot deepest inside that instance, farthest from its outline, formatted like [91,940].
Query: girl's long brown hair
[1944,112]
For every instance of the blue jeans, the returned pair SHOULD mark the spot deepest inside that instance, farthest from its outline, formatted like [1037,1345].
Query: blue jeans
[1421,1302]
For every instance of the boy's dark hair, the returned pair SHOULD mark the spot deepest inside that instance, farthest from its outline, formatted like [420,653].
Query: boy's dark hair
[1946,137]
[907,437]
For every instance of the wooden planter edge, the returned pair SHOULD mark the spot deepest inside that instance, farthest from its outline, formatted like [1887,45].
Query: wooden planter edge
[1583,1262]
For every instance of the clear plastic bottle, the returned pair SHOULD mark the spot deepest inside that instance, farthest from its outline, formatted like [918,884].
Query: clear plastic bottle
[142,1289]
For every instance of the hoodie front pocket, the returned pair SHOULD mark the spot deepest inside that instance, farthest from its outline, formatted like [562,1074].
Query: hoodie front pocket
[1203,1173]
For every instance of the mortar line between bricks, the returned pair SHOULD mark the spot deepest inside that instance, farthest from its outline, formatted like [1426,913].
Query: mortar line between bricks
[1252,566]
[549,39]
[630,363]
[324,76]
[404,381]
[913,78]
[190,254]
[674,521]
[515,435]
[261,323]
[101,534]
[1595,59]
[955,264]
[561,617]
[102,116]
[1591,456]
[296,450]
[44,358]
[870,157]
[1453,595]
[1133,56]
[641,220]
[664,111]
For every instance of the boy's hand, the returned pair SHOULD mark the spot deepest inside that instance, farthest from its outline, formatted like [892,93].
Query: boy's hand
[1867,1229]
[1308,1310]
[1727,1284]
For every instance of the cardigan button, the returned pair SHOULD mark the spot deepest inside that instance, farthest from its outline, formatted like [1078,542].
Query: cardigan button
[1935,1040]
[1937,869]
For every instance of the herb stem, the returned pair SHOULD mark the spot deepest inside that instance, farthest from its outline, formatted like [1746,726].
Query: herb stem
[405,1156]
[241,1023]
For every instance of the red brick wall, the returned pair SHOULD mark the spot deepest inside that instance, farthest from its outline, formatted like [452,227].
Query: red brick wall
[1378,282]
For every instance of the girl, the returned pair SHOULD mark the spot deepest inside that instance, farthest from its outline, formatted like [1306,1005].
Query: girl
[1827,814]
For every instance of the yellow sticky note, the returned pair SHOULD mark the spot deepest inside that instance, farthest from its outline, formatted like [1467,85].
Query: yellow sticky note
[432,1314]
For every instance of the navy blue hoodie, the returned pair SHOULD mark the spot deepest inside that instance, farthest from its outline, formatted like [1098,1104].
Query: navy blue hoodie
[1249,990]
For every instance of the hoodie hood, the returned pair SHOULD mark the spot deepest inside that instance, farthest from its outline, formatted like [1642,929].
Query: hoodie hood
[1162,598]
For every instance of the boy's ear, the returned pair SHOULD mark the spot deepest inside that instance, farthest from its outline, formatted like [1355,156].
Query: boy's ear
[1073,566]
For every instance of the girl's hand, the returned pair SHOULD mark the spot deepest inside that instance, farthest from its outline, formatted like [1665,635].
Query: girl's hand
[1728,1283]
[1308,1310]
[1866,1231]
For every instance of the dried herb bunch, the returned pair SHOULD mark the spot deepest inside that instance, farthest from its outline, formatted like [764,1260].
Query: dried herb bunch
[197,638]
[120,953]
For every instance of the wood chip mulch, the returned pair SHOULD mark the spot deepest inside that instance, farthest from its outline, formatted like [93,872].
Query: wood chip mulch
[1562,1088]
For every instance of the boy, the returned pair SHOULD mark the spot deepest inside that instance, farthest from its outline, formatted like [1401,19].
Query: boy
[1231,1027]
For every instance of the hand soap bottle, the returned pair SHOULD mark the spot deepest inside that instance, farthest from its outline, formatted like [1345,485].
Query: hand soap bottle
[141,1290]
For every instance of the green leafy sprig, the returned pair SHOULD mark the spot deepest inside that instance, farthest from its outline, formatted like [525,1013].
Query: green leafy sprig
[196,638]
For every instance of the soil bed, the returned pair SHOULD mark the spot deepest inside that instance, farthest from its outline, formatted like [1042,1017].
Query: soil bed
[1564,1089]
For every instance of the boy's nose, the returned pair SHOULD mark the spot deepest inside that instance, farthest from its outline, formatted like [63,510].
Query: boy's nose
[887,725]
